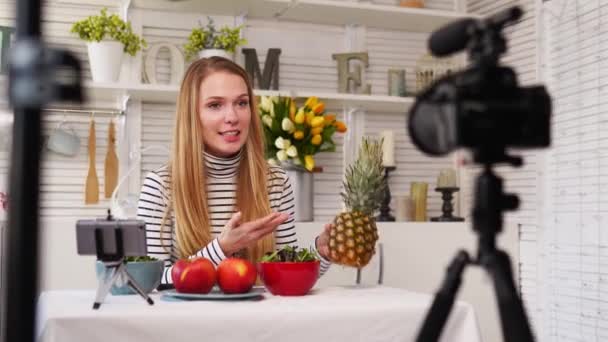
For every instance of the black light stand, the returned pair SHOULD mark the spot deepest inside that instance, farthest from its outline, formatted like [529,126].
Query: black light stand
[32,85]
[385,208]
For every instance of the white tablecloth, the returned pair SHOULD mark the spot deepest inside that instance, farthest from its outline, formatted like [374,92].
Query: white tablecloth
[364,314]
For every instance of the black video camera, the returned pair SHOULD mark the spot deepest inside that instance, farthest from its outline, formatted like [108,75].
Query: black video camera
[481,107]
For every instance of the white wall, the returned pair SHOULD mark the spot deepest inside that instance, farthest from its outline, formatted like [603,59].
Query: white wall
[574,235]
[416,256]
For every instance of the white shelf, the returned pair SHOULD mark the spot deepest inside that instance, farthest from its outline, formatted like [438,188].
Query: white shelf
[332,12]
[368,14]
[102,95]
[252,8]
[100,92]
[370,103]
[114,92]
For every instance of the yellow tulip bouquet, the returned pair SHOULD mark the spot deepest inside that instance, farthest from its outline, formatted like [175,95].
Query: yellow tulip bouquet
[296,134]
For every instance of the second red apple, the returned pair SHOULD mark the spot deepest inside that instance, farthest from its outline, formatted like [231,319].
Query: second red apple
[235,275]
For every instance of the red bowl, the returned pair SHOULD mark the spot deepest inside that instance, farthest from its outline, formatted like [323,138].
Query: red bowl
[289,278]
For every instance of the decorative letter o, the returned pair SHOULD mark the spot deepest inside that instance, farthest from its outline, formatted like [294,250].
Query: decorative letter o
[177,63]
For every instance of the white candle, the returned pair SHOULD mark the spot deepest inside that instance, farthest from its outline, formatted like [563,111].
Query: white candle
[447,179]
[388,148]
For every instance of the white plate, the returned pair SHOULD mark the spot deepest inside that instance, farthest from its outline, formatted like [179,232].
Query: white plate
[214,294]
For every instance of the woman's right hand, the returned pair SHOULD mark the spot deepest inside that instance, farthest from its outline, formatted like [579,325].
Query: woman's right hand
[237,235]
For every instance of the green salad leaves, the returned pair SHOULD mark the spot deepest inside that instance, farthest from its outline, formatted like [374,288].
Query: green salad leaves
[290,254]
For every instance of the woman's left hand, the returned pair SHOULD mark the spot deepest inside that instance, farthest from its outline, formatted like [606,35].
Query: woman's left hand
[323,241]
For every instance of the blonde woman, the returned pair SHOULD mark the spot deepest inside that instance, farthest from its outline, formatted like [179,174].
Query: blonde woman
[218,197]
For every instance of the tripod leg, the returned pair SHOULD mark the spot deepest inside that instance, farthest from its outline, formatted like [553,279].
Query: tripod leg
[515,326]
[444,300]
[133,284]
[105,283]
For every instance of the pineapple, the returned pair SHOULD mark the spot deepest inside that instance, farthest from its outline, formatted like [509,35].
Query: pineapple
[353,237]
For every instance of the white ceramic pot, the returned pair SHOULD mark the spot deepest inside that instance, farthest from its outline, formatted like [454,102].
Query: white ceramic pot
[215,52]
[105,58]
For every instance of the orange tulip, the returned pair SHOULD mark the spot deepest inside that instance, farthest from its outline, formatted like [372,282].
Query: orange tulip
[316,130]
[298,135]
[318,108]
[330,118]
[340,126]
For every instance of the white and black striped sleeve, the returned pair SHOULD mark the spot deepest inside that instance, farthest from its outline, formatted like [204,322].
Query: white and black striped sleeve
[285,235]
[151,209]
[324,262]
[212,251]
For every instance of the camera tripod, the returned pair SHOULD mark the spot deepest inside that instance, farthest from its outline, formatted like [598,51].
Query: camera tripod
[490,201]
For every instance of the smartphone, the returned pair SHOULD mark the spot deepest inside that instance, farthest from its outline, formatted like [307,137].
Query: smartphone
[132,232]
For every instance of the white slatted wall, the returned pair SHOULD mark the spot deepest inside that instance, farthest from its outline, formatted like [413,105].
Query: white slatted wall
[157,131]
[574,238]
[524,181]
[306,64]
[401,50]
[63,178]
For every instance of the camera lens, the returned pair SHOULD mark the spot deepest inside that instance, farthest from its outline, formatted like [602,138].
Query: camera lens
[433,127]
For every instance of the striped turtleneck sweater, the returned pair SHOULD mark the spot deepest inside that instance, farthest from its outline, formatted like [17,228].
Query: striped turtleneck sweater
[221,200]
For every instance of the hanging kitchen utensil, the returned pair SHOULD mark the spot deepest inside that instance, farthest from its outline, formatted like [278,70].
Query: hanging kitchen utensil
[111,163]
[91,195]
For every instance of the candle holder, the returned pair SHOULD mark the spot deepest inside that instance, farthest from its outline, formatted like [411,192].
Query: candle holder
[447,205]
[385,208]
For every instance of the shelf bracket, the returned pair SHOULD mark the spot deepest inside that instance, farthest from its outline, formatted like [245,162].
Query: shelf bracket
[290,5]
[124,102]
[354,118]
[125,5]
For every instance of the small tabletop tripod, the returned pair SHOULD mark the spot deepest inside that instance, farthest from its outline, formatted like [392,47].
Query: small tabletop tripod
[115,269]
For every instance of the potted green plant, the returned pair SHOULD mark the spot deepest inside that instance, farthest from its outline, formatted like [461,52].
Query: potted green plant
[108,38]
[209,41]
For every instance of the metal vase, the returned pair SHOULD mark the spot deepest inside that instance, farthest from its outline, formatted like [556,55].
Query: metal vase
[302,183]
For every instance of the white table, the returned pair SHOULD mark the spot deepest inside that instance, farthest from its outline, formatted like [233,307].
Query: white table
[329,314]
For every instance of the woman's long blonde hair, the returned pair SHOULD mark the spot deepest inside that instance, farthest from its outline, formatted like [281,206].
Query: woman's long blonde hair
[188,196]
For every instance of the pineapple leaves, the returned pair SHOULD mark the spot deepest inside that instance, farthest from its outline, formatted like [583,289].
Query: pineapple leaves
[364,183]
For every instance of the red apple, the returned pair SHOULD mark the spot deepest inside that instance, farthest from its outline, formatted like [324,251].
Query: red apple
[235,275]
[193,275]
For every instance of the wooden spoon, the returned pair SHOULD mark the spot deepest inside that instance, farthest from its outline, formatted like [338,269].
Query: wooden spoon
[91,194]
[111,164]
